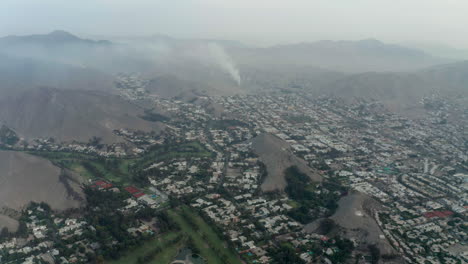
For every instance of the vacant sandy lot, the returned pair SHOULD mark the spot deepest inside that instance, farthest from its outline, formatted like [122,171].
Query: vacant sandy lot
[277,156]
[25,178]
[8,222]
[353,216]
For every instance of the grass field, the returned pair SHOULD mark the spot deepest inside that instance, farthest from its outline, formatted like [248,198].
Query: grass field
[169,251]
[95,168]
[78,168]
[205,238]
[293,204]
[119,170]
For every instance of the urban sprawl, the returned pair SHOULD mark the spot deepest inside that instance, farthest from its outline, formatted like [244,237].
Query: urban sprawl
[202,191]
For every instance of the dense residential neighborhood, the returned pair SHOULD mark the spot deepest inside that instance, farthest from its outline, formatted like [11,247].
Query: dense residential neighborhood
[357,184]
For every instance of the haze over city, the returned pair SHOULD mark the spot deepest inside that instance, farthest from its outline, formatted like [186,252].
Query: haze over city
[233,132]
[256,22]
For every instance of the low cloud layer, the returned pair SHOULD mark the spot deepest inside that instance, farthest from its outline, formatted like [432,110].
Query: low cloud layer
[260,21]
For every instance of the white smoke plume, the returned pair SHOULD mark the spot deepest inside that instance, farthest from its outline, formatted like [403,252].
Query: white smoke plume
[223,60]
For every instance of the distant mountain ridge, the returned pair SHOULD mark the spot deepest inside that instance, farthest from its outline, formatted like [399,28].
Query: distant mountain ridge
[401,90]
[165,53]
[365,46]
[346,56]
[22,74]
[57,37]
[185,69]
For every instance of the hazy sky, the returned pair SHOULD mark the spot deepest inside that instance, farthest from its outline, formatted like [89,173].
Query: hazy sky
[252,21]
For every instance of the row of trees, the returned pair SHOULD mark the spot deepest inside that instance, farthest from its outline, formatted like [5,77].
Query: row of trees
[300,189]
[285,254]
[151,255]
[110,224]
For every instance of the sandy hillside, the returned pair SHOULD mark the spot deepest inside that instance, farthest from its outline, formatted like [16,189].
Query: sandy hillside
[8,222]
[353,215]
[25,178]
[71,115]
[275,153]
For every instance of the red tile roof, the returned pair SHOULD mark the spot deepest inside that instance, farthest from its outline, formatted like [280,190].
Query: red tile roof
[103,184]
[441,214]
[132,189]
[138,195]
